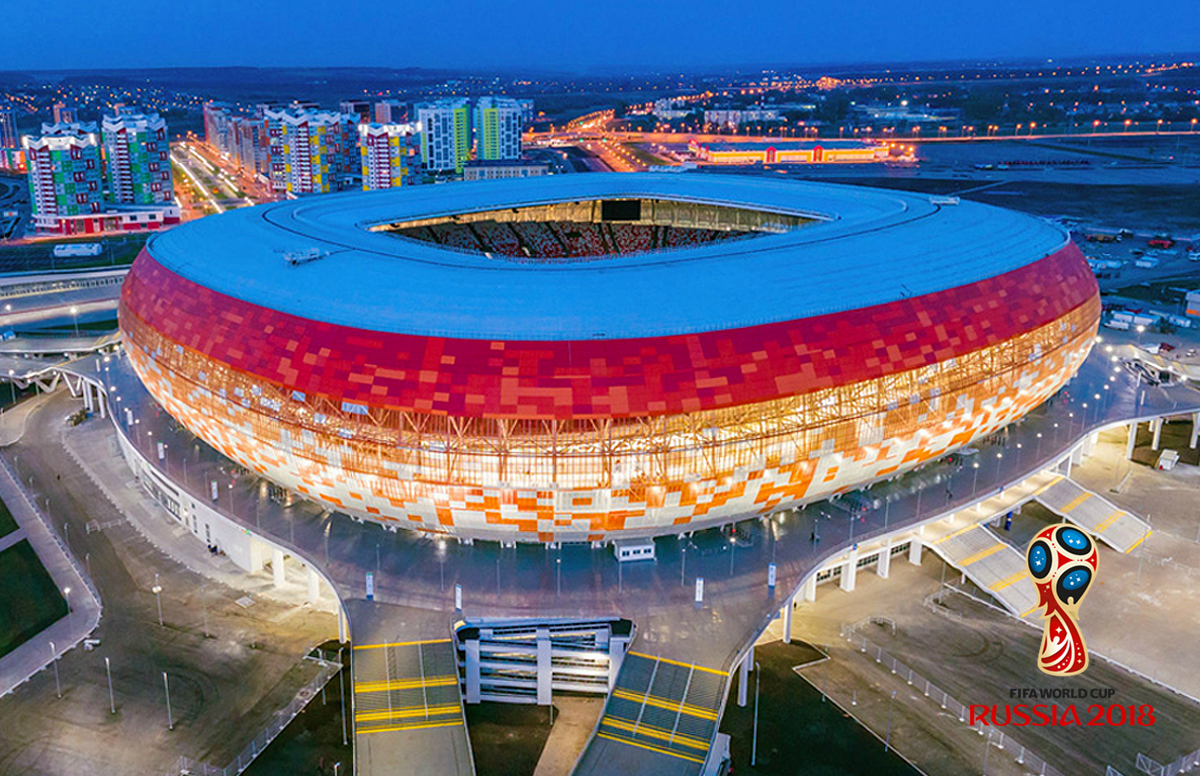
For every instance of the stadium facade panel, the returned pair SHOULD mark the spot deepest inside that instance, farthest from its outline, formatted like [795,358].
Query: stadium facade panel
[557,436]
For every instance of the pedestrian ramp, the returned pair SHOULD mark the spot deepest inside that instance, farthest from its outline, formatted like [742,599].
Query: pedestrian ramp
[1119,529]
[407,698]
[992,564]
[661,717]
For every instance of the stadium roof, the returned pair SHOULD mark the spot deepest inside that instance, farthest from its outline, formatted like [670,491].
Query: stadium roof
[871,247]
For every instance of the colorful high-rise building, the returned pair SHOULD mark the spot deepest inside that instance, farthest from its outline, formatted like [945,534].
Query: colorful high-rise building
[137,158]
[360,109]
[216,125]
[445,134]
[64,172]
[497,128]
[9,137]
[390,112]
[391,155]
[311,152]
[64,114]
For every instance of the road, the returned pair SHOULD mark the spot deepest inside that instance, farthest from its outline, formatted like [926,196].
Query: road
[222,690]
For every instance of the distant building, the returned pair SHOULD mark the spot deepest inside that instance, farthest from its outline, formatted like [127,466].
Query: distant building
[137,158]
[311,152]
[64,114]
[791,152]
[390,112]
[391,155]
[359,108]
[64,173]
[9,137]
[445,134]
[488,170]
[733,118]
[216,125]
[497,128]
[12,160]
[527,112]
[247,150]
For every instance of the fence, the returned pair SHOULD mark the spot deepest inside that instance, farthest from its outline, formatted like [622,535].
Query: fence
[996,737]
[1182,765]
[186,766]
[933,602]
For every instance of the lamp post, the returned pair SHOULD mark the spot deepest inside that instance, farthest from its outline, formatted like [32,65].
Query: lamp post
[975,486]
[732,553]
[75,319]
[112,704]
[54,659]
[754,742]
[157,590]
[167,690]
[887,741]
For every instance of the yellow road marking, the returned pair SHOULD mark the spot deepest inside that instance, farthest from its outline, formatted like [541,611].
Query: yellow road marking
[1048,486]
[407,711]
[414,726]
[659,749]
[677,663]
[1006,582]
[1139,541]
[1109,521]
[959,532]
[1031,611]
[995,548]
[664,703]
[1079,500]
[402,644]
[405,684]
[654,732]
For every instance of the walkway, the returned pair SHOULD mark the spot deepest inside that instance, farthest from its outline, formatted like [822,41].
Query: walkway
[1121,530]
[83,600]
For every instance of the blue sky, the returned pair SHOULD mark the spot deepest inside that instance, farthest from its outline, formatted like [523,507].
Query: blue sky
[576,36]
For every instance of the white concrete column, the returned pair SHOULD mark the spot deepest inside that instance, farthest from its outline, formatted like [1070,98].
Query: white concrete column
[277,566]
[788,606]
[743,681]
[544,673]
[1157,426]
[472,671]
[257,555]
[1195,430]
[750,659]
[314,586]
[849,571]
[341,618]
[87,394]
[102,400]
[883,565]
[914,551]
[810,589]
[1131,441]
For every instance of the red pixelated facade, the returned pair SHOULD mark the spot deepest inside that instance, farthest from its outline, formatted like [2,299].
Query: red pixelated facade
[620,378]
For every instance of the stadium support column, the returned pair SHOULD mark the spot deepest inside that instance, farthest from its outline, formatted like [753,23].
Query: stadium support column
[87,394]
[277,566]
[314,586]
[102,402]
[914,548]
[883,565]
[810,589]
[1195,430]
[1156,425]
[744,678]
[1131,442]
[788,606]
[849,570]
[341,618]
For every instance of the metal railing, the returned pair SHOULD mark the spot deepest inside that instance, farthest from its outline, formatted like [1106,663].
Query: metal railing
[996,737]
[1182,765]
[933,602]
[186,766]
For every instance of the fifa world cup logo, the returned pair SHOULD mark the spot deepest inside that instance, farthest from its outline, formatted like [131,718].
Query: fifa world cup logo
[1062,561]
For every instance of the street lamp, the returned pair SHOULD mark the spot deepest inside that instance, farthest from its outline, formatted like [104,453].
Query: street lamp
[75,318]
[157,590]
[54,658]
[732,552]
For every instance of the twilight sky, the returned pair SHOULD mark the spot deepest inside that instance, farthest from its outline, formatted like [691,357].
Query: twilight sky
[538,35]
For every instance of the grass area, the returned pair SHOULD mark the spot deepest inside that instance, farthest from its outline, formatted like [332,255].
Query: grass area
[507,739]
[31,601]
[29,257]
[68,330]
[7,523]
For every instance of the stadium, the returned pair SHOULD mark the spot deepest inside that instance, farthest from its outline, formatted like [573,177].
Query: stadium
[589,357]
